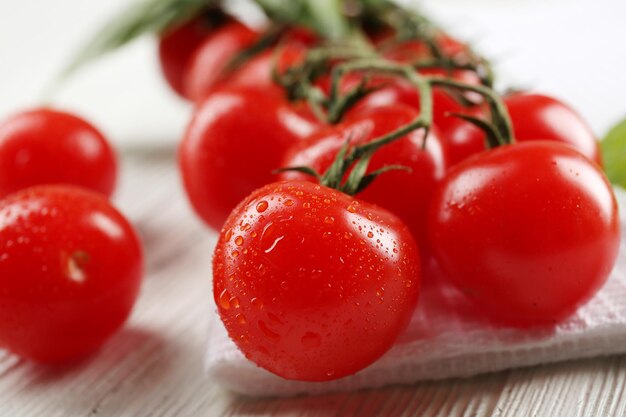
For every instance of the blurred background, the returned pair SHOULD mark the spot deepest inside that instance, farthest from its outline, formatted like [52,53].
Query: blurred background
[572,49]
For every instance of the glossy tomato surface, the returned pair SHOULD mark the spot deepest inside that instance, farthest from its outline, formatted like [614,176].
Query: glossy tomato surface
[534,117]
[207,68]
[70,271]
[45,146]
[237,137]
[259,70]
[176,47]
[406,194]
[529,232]
[312,284]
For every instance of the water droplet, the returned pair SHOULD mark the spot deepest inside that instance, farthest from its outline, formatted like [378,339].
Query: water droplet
[241,319]
[268,332]
[273,317]
[380,292]
[347,235]
[326,201]
[329,220]
[254,234]
[256,303]
[306,205]
[273,246]
[224,299]
[228,235]
[262,206]
[288,203]
[311,340]
[235,254]
[239,240]
[370,235]
[351,209]
[234,302]
[330,373]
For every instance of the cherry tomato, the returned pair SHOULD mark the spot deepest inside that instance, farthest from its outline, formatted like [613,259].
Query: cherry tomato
[177,45]
[207,67]
[406,194]
[45,146]
[70,271]
[529,232]
[311,283]
[231,147]
[534,117]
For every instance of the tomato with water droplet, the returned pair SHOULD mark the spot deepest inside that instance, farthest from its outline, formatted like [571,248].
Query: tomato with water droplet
[70,271]
[529,232]
[321,299]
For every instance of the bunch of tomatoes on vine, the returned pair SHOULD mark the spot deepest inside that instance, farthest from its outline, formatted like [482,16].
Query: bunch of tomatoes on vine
[343,153]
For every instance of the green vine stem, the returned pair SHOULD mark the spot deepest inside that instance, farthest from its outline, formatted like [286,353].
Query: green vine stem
[499,113]
[358,158]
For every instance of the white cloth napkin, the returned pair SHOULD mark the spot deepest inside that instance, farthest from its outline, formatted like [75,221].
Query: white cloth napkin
[443,342]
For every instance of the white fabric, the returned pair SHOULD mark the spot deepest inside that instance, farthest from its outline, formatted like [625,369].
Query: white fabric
[442,342]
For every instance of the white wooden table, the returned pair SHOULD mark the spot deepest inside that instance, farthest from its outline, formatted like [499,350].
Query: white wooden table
[153,367]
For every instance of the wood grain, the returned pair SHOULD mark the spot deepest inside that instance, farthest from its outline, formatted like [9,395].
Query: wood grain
[153,367]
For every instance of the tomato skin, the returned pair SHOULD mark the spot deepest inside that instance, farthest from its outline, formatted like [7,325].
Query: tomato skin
[205,70]
[45,146]
[258,71]
[70,271]
[313,284]
[405,194]
[230,148]
[534,117]
[176,48]
[529,232]
[415,50]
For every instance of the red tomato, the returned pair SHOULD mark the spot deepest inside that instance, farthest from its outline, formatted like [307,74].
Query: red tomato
[313,284]
[393,90]
[177,45]
[206,68]
[231,147]
[529,232]
[70,271]
[534,117]
[45,146]
[405,194]
[258,71]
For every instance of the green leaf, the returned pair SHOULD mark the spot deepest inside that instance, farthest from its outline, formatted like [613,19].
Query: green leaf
[147,16]
[614,154]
